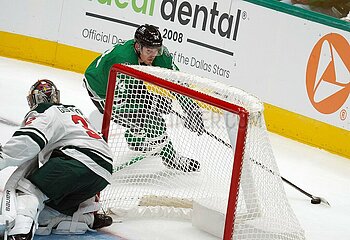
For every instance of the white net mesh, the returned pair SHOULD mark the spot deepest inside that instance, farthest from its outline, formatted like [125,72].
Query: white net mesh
[164,157]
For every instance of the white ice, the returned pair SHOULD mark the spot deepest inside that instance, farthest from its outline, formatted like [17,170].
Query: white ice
[316,171]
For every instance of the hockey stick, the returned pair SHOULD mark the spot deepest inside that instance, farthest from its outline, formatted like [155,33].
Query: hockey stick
[9,122]
[204,130]
[129,163]
[314,199]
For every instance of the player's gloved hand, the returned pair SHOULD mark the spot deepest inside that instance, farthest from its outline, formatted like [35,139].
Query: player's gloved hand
[161,104]
[194,122]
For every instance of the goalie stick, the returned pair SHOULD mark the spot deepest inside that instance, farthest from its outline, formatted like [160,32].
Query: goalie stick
[9,122]
[314,199]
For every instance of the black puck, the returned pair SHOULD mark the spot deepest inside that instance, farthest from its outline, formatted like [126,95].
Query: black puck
[316,201]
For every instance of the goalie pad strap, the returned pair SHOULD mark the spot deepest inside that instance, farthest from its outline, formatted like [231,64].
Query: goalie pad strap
[27,187]
[64,227]
[21,172]
[77,224]
[87,206]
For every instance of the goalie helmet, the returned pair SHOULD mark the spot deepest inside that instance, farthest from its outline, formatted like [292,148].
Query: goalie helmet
[43,91]
[148,36]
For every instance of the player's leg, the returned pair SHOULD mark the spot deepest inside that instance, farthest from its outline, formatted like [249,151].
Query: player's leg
[153,139]
[173,160]
[156,133]
[147,134]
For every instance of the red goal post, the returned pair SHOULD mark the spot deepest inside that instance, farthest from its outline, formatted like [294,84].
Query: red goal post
[238,196]
[236,171]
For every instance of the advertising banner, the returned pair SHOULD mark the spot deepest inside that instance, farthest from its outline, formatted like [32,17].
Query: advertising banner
[287,61]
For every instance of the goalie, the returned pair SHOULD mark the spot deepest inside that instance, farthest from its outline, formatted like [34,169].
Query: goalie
[76,164]
[136,108]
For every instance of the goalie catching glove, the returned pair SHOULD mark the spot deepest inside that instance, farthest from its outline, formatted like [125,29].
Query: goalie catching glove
[194,121]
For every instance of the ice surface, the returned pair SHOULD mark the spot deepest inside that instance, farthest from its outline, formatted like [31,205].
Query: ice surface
[316,171]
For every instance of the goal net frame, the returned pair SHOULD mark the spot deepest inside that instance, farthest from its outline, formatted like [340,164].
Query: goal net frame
[242,128]
[245,116]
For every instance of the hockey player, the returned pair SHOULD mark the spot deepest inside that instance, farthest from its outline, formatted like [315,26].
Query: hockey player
[76,164]
[144,123]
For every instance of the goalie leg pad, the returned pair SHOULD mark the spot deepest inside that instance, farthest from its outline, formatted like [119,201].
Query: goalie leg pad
[79,223]
[27,211]
[75,227]
[8,210]
[8,203]
[16,212]
[28,188]
[62,224]
[46,216]
[29,203]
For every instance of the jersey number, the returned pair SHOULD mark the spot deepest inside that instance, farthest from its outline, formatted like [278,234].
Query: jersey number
[78,119]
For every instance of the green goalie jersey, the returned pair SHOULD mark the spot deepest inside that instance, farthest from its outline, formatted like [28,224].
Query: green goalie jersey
[96,74]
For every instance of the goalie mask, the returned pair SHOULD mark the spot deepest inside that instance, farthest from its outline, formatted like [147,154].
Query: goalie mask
[43,91]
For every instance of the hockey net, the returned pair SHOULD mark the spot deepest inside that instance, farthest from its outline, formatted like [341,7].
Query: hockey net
[228,167]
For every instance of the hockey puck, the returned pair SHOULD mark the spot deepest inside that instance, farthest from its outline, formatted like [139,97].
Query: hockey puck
[316,201]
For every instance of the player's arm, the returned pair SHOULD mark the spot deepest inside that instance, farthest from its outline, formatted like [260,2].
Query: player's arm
[97,73]
[19,149]
[27,141]
[194,115]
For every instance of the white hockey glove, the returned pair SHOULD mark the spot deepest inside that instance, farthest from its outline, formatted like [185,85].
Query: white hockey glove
[194,122]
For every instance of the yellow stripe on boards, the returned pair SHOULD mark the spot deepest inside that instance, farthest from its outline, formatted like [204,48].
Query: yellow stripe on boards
[307,130]
[278,120]
[74,59]
[45,52]
[27,48]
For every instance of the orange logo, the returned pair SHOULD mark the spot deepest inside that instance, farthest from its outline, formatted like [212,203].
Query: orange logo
[328,73]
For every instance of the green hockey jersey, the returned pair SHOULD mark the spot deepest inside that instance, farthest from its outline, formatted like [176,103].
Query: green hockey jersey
[97,72]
